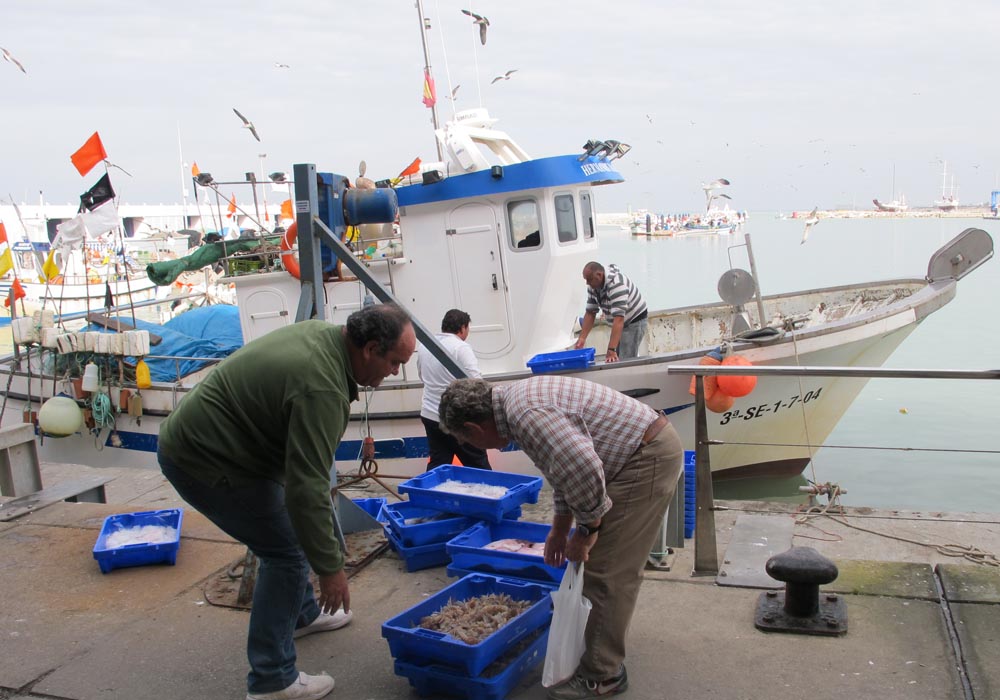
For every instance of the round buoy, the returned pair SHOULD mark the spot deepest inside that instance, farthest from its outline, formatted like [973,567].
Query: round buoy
[711,382]
[720,402]
[60,416]
[737,385]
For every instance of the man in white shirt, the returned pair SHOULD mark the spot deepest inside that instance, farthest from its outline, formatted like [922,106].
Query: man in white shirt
[444,447]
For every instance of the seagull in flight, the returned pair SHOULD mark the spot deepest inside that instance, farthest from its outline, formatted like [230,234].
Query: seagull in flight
[8,56]
[810,222]
[505,76]
[710,187]
[454,91]
[247,124]
[481,21]
[281,65]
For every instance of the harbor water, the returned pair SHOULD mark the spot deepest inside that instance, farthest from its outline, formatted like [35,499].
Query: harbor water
[948,427]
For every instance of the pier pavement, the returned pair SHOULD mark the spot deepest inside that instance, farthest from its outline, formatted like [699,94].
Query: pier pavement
[922,622]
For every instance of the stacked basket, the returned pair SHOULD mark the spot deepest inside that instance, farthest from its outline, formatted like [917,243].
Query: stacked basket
[690,505]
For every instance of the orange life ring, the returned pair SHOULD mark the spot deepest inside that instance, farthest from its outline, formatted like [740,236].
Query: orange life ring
[289,260]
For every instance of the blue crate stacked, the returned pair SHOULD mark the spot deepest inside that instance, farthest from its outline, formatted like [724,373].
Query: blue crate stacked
[437,663]
[690,507]
[468,553]
[521,489]
[559,361]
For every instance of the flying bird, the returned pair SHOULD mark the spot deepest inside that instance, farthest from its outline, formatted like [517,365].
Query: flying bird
[649,118]
[7,56]
[810,222]
[281,65]
[710,187]
[454,91]
[247,124]
[481,21]
[505,76]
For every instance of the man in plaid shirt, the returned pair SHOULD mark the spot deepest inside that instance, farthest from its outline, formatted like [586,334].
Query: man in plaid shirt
[613,464]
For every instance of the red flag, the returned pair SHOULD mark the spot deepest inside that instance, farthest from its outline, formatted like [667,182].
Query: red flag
[430,96]
[411,169]
[3,233]
[90,154]
[286,210]
[232,207]
[194,170]
[17,290]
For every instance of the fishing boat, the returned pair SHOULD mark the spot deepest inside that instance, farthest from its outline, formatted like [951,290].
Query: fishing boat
[504,236]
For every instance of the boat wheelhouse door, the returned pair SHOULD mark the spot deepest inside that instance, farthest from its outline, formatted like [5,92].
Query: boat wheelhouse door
[478,276]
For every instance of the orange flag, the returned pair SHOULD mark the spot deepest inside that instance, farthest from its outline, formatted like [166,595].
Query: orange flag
[194,170]
[90,154]
[411,169]
[17,290]
[286,210]
[3,233]
[232,207]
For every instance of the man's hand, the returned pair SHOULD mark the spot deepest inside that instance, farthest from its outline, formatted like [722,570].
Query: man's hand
[333,592]
[611,356]
[555,548]
[578,547]
[579,343]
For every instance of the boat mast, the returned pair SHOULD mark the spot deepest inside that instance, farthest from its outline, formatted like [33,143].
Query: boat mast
[427,70]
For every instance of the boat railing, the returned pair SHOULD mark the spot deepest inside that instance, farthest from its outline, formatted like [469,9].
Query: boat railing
[706,551]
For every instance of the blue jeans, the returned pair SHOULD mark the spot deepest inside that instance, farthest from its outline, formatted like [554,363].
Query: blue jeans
[253,512]
[632,335]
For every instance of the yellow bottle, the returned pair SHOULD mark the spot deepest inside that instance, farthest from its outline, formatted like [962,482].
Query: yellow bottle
[142,379]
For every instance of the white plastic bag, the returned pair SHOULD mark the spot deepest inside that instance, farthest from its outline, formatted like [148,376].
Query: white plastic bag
[569,624]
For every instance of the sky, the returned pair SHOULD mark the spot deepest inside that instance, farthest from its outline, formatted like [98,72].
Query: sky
[798,104]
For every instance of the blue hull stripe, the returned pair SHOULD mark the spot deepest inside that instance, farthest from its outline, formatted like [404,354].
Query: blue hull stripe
[557,171]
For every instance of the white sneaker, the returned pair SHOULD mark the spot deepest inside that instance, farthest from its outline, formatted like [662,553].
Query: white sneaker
[306,687]
[325,623]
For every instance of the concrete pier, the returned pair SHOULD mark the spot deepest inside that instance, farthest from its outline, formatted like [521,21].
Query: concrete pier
[924,619]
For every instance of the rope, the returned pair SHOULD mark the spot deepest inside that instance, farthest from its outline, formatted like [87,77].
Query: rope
[102,410]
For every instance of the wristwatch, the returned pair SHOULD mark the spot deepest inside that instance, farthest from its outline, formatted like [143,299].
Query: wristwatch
[587,530]
[614,350]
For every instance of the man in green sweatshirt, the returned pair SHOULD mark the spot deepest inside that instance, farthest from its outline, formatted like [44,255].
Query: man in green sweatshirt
[252,448]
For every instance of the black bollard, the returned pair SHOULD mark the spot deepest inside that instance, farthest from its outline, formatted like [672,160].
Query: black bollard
[800,608]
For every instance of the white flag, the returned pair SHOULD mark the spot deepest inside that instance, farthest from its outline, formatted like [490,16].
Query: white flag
[102,219]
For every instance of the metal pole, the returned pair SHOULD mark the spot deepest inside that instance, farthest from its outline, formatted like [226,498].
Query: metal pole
[252,179]
[306,205]
[706,556]
[427,69]
[756,282]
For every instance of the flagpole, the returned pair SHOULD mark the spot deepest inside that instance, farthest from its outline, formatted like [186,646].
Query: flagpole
[263,189]
[184,194]
[427,69]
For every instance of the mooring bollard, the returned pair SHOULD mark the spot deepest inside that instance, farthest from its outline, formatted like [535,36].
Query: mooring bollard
[800,608]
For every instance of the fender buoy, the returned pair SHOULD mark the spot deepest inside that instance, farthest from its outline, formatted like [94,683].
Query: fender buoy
[720,402]
[711,382]
[737,385]
[289,259]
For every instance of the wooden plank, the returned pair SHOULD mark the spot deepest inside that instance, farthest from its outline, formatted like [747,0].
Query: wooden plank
[116,325]
[88,488]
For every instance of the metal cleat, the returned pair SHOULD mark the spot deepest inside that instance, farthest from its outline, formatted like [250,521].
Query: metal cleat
[800,608]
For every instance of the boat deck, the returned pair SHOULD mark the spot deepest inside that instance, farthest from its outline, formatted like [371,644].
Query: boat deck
[921,624]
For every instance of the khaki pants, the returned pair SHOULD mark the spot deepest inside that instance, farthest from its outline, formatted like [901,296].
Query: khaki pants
[640,494]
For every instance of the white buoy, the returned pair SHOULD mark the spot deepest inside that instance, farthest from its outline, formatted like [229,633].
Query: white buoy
[60,416]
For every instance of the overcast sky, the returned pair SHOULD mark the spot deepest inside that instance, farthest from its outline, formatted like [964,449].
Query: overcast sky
[798,103]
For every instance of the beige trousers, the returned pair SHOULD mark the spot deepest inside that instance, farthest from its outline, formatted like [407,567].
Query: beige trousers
[640,494]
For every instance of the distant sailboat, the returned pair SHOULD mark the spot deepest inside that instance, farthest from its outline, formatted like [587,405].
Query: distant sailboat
[896,205]
[948,201]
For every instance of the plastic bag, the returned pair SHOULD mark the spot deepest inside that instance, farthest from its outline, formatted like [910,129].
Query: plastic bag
[569,624]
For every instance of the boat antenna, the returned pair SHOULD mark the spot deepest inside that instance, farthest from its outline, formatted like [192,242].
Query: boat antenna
[424,22]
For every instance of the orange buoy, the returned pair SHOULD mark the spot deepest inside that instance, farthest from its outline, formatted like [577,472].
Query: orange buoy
[720,402]
[737,385]
[712,358]
[289,259]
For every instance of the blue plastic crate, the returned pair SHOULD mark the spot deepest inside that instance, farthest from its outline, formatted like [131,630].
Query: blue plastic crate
[138,554]
[467,552]
[520,489]
[435,680]
[422,557]
[689,460]
[372,506]
[436,531]
[415,645]
[557,361]
[456,572]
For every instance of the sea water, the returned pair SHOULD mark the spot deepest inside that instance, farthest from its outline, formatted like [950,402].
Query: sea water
[930,444]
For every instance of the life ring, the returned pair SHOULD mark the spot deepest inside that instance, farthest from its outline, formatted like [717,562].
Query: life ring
[289,259]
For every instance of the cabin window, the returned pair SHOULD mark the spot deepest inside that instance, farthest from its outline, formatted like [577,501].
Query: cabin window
[565,218]
[587,212]
[524,224]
